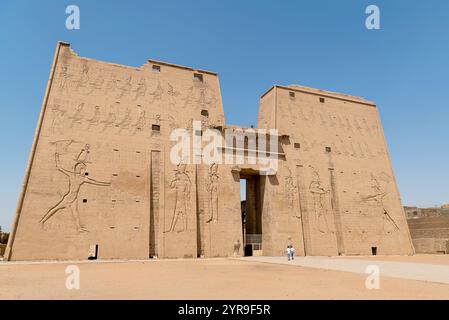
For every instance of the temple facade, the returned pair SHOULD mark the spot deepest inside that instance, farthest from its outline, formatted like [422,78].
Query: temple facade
[120,168]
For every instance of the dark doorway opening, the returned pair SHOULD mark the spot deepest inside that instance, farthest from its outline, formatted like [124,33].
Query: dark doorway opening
[250,192]
[93,252]
[374,251]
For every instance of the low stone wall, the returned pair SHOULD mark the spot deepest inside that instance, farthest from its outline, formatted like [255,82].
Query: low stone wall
[431,245]
[430,234]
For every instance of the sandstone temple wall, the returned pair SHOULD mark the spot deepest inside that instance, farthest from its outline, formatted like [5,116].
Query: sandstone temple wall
[100,181]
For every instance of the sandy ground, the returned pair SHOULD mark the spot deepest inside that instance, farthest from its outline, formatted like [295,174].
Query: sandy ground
[204,279]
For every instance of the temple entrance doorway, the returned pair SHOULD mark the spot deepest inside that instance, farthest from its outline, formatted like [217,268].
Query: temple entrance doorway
[251,204]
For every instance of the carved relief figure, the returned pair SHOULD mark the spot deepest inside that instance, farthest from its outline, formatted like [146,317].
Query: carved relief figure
[181,185]
[140,122]
[172,95]
[96,84]
[63,84]
[111,85]
[290,189]
[69,200]
[126,121]
[95,120]
[212,188]
[83,81]
[77,117]
[58,116]
[319,199]
[125,88]
[109,122]
[157,93]
[141,89]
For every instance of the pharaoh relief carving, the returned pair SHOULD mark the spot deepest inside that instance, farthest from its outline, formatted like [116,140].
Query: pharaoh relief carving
[376,198]
[212,189]
[76,179]
[181,184]
[320,198]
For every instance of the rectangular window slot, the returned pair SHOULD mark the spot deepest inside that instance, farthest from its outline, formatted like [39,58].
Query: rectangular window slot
[198,76]
[205,113]
[156,127]
[322,100]
[116,150]
[291,94]
[84,200]
[86,173]
[115,174]
[297,145]
[156,68]
[328,149]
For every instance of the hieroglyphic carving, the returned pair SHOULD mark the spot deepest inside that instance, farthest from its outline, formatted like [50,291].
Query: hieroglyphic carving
[76,179]
[212,188]
[319,194]
[181,184]
[290,189]
[58,117]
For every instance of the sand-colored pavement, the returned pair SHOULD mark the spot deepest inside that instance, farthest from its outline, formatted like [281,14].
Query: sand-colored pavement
[393,269]
[202,279]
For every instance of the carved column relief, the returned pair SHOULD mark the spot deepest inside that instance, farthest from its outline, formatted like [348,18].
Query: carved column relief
[336,211]
[154,202]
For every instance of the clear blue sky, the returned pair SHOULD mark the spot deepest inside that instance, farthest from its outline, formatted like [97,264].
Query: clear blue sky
[404,67]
